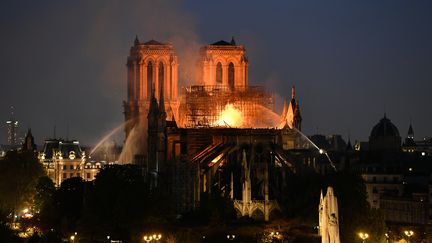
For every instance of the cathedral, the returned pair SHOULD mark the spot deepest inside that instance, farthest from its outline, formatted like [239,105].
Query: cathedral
[217,134]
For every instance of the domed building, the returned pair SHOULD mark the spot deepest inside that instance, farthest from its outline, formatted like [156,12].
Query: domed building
[385,136]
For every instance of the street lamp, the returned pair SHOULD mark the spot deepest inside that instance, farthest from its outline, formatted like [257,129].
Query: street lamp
[72,238]
[387,237]
[157,237]
[363,236]
[274,234]
[148,238]
[230,237]
[108,238]
[409,233]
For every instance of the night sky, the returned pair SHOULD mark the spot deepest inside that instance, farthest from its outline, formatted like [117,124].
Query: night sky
[63,62]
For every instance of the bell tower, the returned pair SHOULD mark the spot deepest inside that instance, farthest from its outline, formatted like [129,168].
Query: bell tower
[152,66]
[223,64]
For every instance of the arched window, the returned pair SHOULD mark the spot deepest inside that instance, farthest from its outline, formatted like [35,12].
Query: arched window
[219,73]
[231,75]
[150,81]
[161,75]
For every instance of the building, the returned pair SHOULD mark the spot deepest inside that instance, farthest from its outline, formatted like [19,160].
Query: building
[150,66]
[223,64]
[423,147]
[385,136]
[64,159]
[29,144]
[12,129]
[220,134]
[382,181]
[413,210]
[397,177]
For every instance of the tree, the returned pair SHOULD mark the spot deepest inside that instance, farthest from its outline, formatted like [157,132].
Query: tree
[118,202]
[68,201]
[45,190]
[44,205]
[19,173]
[6,234]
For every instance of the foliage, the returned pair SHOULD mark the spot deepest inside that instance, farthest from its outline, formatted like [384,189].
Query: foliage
[45,190]
[215,208]
[19,173]
[119,199]
[6,234]
[303,196]
[118,202]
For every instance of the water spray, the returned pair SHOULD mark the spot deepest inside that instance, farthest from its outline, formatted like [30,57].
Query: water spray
[321,151]
[106,137]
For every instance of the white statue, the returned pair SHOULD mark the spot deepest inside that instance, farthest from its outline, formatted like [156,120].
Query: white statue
[329,218]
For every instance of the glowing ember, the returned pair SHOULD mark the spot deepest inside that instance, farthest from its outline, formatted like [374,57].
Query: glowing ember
[230,116]
[215,160]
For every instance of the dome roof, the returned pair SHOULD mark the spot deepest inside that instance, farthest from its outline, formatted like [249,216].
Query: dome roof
[384,128]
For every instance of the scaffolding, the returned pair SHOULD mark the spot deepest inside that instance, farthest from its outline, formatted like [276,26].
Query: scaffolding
[203,105]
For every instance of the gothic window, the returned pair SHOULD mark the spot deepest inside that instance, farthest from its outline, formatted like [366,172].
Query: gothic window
[150,81]
[219,73]
[231,75]
[161,74]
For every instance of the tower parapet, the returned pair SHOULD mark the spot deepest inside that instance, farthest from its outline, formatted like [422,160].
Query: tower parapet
[223,64]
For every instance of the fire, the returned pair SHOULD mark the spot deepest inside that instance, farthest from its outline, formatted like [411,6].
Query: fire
[230,116]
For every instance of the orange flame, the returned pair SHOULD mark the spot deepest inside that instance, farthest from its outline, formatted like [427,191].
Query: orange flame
[230,116]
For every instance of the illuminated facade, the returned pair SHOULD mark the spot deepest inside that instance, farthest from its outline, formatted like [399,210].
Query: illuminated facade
[223,64]
[291,116]
[150,66]
[219,134]
[65,159]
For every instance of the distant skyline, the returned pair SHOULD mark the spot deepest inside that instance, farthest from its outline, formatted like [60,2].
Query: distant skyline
[63,63]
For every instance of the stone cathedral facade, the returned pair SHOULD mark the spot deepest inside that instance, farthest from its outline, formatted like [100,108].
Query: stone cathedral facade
[151,66]
[188,151]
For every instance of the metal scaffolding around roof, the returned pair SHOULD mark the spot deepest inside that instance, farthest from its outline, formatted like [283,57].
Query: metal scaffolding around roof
[203,105]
